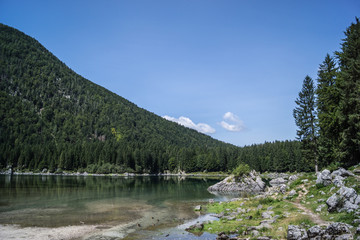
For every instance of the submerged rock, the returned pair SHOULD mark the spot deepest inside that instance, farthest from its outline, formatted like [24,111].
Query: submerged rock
[195,227]
[250,183]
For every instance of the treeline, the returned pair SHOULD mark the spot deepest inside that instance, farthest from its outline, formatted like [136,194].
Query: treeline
[328,115]
[52,118]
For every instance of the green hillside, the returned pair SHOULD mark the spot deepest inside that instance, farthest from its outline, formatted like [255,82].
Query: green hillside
[53,118]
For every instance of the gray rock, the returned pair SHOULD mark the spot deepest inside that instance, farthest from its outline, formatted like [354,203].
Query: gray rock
[356,221]
[292,193]
[293,178]
[197,208]
[197,226]
[251,183]
[337,228]
[320,207]
[282,188]
[255,233]
[338,181]
[342,173]
[324,178]
[344,237]
[315,231]
[345,199]
[296,233]
[267,214]
[278,181]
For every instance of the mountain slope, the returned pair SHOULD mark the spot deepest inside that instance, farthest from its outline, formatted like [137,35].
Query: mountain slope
[53,118]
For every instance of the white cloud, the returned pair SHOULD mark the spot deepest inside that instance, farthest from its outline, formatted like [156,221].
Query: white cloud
[187,122]
[235,125]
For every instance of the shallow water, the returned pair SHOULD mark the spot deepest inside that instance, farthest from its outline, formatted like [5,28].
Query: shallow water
[57,201]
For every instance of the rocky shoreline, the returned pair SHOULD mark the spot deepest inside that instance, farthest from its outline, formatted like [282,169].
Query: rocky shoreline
[7,172]
[293,206]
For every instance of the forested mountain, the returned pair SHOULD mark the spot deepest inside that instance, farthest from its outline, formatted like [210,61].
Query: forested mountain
[51,117]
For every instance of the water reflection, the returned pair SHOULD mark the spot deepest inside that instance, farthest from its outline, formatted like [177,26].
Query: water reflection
[71,200]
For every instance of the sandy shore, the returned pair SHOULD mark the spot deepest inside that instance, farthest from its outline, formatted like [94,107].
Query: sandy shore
[69,232]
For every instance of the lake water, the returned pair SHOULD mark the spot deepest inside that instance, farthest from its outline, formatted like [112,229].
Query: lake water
[114,207]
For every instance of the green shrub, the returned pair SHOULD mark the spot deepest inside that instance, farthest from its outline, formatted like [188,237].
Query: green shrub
[267,201]
[241,170]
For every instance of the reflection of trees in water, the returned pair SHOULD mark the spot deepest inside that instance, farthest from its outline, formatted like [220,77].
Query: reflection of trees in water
[90,187]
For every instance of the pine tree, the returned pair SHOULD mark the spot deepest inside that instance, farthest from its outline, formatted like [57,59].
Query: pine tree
[349,80]
[328,99]
[305,119]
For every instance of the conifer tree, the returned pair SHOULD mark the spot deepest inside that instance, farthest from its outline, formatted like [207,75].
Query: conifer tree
[328,99]
[349,80]
[305,119]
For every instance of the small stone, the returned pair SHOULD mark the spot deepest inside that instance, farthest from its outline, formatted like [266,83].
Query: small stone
[292,193]
[197,208]
[267,214]
[255,233]
[320,207]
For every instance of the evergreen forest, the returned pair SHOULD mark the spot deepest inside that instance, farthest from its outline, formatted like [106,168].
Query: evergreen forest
[52,118]
[328,113]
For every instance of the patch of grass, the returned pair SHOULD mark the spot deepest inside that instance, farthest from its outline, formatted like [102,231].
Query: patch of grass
[227,227]
[342,217]
[295,183]
[353,183]
[303,221]
[268,200]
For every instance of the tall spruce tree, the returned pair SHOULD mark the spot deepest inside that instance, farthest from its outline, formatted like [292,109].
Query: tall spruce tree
[349,80]
[305,119]
[328,99]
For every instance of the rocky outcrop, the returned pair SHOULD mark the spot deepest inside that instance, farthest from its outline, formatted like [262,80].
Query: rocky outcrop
[335,230]
[342,173]
[336,177]
[324,178]
[278,181]
[296,233]
[250,183]
[345,199]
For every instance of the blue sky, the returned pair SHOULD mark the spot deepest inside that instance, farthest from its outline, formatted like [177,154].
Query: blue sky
[230,68]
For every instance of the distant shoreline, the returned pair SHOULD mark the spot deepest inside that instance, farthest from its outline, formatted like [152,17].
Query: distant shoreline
[85,174]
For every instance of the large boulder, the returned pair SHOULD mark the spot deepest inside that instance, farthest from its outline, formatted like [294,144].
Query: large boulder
[250,183]
[345,199]
[342,173]
[296,233]
[324,178]
[335,230]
